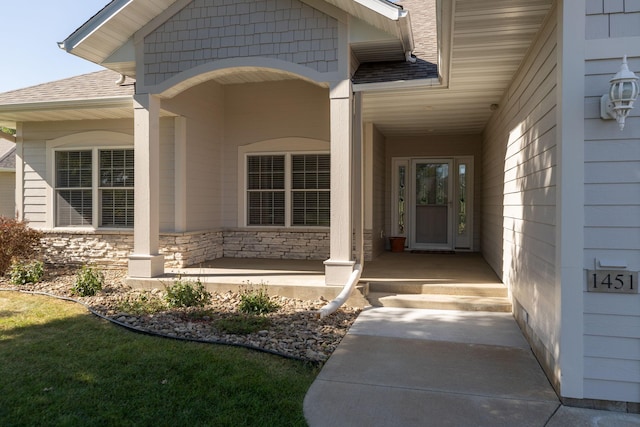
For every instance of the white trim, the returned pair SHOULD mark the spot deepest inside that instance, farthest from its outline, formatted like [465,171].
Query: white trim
[124,101]
[383,8]
[93,141]
[570,199]
[286,147]
[205,72]
[400,84]
[93,24]
[19,196]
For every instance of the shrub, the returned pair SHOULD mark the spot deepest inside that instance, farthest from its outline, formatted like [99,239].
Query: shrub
[145,303]
[23,272]
[89,281]
[17,242]
[184,293]
[256,301]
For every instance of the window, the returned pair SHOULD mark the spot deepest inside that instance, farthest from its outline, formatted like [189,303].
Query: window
[116,188]
[86,179]
[74,201]
[288,190]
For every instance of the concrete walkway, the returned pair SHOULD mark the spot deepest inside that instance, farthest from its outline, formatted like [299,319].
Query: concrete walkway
[411,367]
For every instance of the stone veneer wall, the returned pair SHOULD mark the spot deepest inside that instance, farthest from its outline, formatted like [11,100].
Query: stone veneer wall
[112,248]
[282,243]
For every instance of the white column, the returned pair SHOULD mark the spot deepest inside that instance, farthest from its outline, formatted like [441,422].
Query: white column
[145,260]
[340,264]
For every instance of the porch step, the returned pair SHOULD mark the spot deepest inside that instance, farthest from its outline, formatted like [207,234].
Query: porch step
[475,289]
[440,301]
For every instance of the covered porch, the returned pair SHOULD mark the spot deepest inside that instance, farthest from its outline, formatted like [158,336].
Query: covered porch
[387,279]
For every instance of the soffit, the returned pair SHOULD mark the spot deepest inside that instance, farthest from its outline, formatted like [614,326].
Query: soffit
[111,28]
[489,40]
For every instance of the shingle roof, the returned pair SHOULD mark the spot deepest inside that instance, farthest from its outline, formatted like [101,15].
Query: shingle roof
[8,160]
[423,23]
[7,151]
[100,84]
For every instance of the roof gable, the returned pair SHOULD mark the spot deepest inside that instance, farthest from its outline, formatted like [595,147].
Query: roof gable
[105,39]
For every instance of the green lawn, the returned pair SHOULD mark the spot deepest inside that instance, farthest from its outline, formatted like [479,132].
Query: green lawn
[60,366]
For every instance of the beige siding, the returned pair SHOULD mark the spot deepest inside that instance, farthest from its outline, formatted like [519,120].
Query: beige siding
[7,194]
[167,172]
[519,199]
[612,232]
[35,185]
[266,111]
[203,108]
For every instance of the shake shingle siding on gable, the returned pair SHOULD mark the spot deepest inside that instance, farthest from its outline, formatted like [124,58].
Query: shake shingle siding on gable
[210,30]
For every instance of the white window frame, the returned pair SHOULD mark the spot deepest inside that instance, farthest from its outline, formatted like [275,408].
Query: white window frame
[280,146]
[94,141]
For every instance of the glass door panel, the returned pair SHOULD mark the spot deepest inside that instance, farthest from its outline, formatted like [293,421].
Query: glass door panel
[432,215]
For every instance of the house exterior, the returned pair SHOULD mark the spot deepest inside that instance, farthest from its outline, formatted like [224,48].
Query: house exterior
[308,128]
[7,175]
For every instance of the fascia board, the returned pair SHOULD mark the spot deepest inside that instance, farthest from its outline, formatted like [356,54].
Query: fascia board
[76,104]
[93,24]
[401,84]
[382,7]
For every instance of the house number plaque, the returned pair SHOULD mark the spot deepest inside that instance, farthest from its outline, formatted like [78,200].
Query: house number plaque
[613,281]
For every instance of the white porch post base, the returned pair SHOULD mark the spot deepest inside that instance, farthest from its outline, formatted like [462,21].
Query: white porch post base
[146,266]
[336,273]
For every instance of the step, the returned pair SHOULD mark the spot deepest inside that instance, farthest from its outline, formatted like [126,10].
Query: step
[440,302]
[470,289]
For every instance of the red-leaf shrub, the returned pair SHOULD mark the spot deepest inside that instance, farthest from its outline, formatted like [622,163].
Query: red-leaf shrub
[17,242]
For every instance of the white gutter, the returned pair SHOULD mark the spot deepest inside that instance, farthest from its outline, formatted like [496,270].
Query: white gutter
[399,84]
[382,7]
[75,104]
[342,297]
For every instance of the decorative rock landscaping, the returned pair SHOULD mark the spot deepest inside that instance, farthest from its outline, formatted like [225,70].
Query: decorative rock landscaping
[294,330]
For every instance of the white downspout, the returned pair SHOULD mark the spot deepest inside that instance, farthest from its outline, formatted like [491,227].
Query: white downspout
[342,297]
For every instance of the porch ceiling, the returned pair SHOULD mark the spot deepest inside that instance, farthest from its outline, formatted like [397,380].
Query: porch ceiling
[488,40]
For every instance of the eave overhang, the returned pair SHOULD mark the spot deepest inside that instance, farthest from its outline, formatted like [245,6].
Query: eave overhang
[73,109]
[106,38]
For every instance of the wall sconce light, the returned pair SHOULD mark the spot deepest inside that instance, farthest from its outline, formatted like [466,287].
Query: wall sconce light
[623,91]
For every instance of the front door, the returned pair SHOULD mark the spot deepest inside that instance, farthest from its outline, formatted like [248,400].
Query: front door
[432,219]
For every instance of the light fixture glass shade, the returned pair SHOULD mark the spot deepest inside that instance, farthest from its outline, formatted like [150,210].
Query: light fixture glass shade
[623,92]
